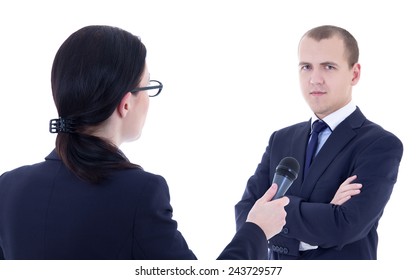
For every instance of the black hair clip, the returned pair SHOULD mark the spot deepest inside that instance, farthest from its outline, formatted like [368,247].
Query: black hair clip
[61,125]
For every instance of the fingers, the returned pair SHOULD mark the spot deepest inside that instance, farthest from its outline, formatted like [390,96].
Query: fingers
[342,200]
[349,180]
[347,185]
[269,214]
[347,190]
[283,201]
[351,189]
[269,194]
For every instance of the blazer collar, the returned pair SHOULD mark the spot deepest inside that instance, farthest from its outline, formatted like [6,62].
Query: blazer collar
[53,155]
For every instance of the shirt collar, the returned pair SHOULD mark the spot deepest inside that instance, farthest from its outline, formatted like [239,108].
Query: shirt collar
[334,119]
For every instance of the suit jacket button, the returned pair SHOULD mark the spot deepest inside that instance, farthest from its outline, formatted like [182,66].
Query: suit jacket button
[277,249]
[285,230]
[285,251]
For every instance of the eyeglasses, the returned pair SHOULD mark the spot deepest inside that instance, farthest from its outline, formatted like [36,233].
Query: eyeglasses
[153,89]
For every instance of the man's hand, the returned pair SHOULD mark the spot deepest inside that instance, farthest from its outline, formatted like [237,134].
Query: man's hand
[346,191]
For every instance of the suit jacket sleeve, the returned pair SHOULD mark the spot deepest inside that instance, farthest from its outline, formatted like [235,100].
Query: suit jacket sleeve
[249,243]
[256,187]
[156,234]
[326,225]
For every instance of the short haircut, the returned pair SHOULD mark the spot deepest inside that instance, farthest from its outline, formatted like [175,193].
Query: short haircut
[328,31]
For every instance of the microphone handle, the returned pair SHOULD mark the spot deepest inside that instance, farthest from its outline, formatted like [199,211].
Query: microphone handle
[283,184]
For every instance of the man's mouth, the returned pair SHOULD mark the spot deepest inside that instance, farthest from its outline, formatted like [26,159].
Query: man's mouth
[317,93]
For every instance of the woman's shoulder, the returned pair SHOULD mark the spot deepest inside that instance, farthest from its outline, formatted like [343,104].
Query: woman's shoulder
[139,174]
[138,178]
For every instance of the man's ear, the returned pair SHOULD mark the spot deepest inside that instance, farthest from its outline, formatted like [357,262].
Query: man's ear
[124,106]
[356,73]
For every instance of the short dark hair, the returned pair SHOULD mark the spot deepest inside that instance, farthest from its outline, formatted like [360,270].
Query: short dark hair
[92,71]
[329,31]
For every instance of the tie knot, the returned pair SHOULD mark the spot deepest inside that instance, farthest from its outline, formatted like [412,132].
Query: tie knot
[318,126]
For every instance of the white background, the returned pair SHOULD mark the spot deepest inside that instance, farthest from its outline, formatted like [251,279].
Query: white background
[229,70]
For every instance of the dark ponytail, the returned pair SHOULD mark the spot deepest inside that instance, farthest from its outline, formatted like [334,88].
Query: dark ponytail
[92,71]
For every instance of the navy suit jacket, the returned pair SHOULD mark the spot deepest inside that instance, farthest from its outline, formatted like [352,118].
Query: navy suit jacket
[46,212]
[357,146]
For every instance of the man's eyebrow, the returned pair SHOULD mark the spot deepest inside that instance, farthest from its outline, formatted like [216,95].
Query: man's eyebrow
[303,63]
[329,63]
[322,63]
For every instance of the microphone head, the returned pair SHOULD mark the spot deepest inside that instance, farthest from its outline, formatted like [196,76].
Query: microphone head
[288,167]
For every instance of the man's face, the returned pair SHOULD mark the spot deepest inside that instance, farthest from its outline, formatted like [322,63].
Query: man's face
[325,76]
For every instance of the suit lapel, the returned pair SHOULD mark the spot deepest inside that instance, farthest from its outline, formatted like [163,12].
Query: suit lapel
[339,138]
[298,148]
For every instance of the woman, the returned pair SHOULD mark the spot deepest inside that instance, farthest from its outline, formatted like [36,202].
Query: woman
[86,200]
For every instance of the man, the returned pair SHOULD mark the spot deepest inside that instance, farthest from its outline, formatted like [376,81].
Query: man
[337,200]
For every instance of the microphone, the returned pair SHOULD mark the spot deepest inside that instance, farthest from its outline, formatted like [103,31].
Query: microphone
[286,172]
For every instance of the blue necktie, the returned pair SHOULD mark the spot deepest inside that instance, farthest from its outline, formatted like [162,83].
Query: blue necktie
[317,127]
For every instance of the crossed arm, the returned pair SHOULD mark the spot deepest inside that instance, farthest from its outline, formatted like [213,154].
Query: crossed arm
[346,190]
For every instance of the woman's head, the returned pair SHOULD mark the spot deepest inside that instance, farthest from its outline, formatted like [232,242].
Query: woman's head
[92,75]
[93,70]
